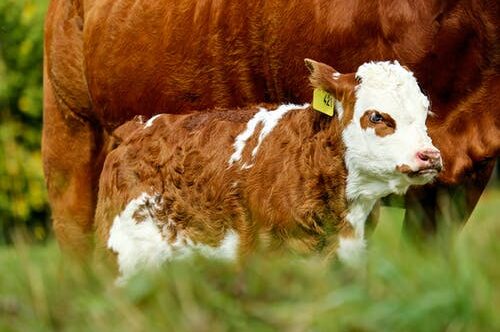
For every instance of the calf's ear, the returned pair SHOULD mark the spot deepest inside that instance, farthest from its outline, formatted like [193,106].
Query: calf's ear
[320,73]
[324,77]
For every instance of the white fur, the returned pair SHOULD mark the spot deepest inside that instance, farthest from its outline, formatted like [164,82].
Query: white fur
[388,88]
[339,109]
[358,212]
[351,250]
[227,250]
[269,120]
[137,244]
[142,244]
[371,160]
[149,123]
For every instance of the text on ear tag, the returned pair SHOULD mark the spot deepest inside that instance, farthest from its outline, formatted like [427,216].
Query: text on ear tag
[323,102]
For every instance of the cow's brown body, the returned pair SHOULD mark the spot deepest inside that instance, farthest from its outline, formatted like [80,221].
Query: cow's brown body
[106,61]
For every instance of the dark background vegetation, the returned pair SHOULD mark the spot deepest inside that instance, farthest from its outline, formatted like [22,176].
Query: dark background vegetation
[22,190]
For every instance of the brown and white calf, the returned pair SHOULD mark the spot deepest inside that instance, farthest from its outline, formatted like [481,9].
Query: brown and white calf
[226,182]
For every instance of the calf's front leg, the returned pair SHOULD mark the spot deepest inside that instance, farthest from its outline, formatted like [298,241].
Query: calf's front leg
[351,249]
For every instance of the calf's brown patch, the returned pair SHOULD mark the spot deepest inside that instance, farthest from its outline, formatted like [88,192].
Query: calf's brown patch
[405,169]
[383,128]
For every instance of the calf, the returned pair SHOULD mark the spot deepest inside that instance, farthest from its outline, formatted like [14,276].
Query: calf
[227,182]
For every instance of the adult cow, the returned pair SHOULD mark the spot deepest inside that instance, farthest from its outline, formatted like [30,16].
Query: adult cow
[108,60]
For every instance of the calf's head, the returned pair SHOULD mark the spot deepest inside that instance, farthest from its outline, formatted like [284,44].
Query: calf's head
[383,112]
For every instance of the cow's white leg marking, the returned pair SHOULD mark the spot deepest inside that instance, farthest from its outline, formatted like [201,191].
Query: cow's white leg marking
[269,120]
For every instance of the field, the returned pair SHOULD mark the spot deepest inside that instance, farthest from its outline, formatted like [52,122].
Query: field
[455,287]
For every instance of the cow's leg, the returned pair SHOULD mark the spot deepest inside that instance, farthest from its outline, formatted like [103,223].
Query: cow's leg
[71,140]
[440,207]
[72,159]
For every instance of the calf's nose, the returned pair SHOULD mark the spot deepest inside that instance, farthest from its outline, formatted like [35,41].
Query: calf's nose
[430,158]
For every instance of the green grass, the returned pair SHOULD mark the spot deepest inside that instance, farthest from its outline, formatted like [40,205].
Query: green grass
[401,289]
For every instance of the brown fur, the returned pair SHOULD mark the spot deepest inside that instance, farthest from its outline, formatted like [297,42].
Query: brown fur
[386,127]
[301,206]
[405,169]
[107,61]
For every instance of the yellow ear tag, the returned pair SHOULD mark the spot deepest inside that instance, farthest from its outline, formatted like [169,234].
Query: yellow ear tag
[323,102]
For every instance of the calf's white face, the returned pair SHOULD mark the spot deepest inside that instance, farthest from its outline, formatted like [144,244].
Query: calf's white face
[387,136]
[383,113]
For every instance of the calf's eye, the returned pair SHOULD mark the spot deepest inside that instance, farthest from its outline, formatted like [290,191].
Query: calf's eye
[376,117]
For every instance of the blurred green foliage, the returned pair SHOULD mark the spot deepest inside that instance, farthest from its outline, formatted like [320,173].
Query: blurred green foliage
[22,189]
[437,287]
